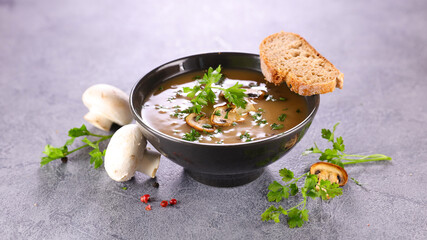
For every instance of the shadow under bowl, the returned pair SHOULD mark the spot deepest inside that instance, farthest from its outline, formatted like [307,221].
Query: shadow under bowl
[221,165]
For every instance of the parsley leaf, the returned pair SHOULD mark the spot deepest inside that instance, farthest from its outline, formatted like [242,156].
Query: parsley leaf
[236,94]
[273,213]
[78,132]
[282,117]
[277,192]
[246,136]
[294,189]
[329,190]
[96,154]
[96,157]
[192,136]
[276,126]
[287,175]
[258,117]
[296,217]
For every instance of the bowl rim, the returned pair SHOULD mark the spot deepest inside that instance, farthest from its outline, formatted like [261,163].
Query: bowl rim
[154,131]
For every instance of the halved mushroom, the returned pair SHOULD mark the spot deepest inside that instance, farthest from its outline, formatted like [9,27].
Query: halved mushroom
[329,171]
[200,122]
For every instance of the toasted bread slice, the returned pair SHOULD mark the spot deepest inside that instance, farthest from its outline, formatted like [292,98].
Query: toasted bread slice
[287,57]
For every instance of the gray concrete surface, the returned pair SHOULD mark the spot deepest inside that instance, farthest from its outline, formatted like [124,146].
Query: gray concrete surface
[51,51]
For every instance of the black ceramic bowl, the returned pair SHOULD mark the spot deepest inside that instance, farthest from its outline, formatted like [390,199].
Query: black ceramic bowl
[216,164]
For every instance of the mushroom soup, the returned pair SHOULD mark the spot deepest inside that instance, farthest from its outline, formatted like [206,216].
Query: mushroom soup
[269,109]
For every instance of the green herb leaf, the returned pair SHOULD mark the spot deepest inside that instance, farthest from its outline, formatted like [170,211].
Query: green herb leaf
[309,188]
[314,149]
[327,134]
[246,136]
[286,174]
[294,189]
[53,152]
[329,190]
[277,192]
[78,132]
[296,217]
[96,157]
[276,126]
[236,95]
[282,117]
[273,213]
[70,141]
[88,142]
[192,136]
[191,91]
[339,144]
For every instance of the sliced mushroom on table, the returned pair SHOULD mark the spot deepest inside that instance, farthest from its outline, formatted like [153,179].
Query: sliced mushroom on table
[329,171]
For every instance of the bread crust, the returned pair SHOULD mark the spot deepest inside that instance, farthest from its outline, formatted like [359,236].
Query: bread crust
[295,83]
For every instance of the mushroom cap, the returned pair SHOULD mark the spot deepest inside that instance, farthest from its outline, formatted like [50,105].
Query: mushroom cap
[108,101]
[202,124]
[125,149]
[329,171]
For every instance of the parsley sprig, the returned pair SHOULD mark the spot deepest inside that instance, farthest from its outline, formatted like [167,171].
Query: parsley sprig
[336,154]
[53,153]
[297,214]
[202,94]
[324,189]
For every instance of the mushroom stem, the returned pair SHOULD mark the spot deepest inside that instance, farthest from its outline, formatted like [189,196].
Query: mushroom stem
[98,120]
[149,163]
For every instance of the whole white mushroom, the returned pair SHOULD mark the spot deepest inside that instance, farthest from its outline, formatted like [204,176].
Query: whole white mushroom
[106,104]
[126,153]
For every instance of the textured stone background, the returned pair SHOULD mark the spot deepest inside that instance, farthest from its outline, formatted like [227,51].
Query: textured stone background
[51,51]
